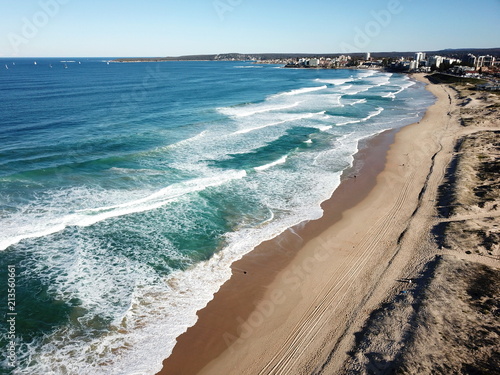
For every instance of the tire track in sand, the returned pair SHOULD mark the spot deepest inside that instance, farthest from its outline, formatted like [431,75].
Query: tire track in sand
[335,290]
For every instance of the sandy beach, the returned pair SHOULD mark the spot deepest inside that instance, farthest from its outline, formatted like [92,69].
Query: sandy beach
[295,304]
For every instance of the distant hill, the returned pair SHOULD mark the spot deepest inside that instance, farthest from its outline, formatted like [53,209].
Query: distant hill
[445,52]
[272,56]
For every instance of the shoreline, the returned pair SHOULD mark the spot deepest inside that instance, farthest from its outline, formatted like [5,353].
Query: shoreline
[257,269]
[268,284]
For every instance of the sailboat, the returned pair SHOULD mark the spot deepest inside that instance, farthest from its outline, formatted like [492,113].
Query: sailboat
[34,63]
[6,67]
[65,66]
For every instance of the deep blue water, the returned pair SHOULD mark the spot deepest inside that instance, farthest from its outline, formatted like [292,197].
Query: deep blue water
[127,190]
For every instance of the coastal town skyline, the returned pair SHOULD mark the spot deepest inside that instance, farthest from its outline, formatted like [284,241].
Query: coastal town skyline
[50,28]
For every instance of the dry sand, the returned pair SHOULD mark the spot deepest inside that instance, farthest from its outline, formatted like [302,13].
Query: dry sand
[447,321]
[293,306]
[444,322]
[472,191]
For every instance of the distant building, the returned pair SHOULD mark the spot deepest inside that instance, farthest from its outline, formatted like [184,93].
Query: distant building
[471,59]
[467,71]
[435,61]
[487,61]
[451,61]
[419,57]
[313,63]
[413,65]
[368,56]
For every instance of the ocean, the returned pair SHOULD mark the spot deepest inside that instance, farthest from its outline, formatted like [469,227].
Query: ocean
[128,189]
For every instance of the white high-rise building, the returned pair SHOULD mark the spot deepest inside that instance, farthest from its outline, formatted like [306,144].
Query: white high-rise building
[435,60]
[485,61]
[419,56]
[368,56]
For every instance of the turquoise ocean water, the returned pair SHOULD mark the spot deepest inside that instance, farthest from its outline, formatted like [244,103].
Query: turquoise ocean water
[127,190]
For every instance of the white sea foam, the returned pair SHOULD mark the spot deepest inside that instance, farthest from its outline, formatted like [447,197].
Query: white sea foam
[374,113]
[162,196]
[371,80]
[248,130]
[371,115]
[402,88]
[253,109]
[303,90]
[157,305]
[183,143]
[129,171]
[288,119]
[335,82]
[382,81]
[392,95]
[338,100]
[359,101]
[366,74]
[324,128]
[354,90]
[270,165]
[169,308]
[46,225]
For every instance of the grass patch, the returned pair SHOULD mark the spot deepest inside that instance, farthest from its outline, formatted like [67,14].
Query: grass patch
[438,78]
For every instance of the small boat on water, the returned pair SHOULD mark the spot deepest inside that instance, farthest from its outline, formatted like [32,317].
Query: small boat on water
[34,63]
[6,67]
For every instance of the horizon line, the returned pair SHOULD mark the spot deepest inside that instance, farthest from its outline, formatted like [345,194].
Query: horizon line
[254,53]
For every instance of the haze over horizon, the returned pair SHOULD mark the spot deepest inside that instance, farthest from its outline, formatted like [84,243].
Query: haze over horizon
[53,28]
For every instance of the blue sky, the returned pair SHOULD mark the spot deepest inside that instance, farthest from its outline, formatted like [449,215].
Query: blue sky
[80,28]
